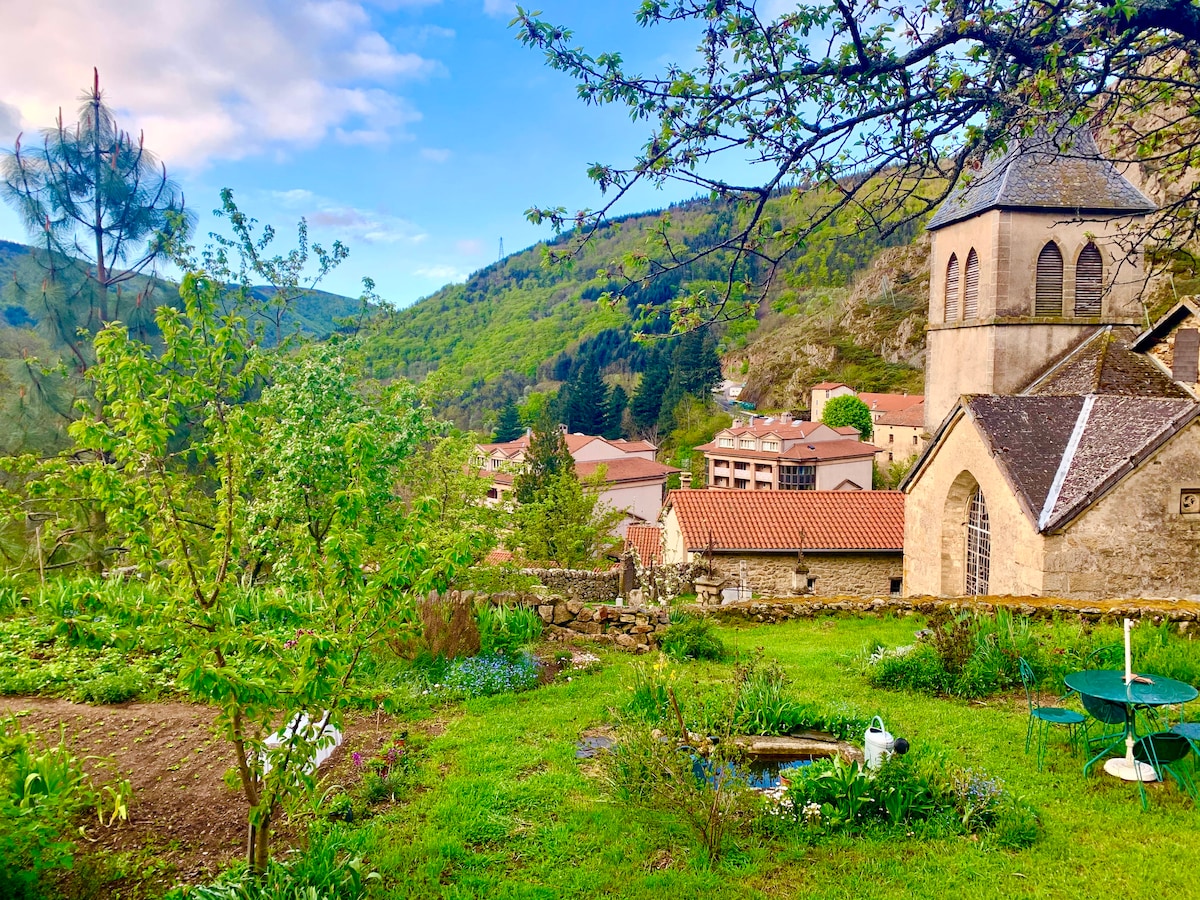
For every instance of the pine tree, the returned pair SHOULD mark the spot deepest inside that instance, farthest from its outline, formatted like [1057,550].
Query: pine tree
[508,425]
[614,413]
[648,398]
[586,400]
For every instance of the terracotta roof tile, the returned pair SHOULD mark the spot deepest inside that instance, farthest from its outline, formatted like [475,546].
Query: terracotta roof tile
[498,557]
[790,520]
[633,445]
[821,450]
[911,417]
[828,385]
[632,468]
[890,402]
[647,540]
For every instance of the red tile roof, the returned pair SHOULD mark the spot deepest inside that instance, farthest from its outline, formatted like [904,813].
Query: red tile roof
[890,402]
[632,468]
[498,557]
[820,450]
[790,520]
[632,445]
[910,417]
[828,385]
[647,540]
[848,431]
[794,429]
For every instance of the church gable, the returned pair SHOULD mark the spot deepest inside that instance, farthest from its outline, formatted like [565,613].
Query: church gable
[1106,363]
[1174,341]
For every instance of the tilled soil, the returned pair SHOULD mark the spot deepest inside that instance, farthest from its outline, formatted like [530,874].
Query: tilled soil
[182,815]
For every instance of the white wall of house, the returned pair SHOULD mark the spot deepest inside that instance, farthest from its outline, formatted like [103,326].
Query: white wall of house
[639,500]
[831,473]
[821,396]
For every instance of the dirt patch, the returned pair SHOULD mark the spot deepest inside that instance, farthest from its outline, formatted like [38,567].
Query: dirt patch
[182,814]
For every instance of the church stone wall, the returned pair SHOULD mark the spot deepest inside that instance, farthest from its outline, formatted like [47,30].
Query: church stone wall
[935,513]
[1135,542]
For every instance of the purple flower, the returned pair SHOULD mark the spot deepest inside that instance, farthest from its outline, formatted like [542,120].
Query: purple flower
[356,757]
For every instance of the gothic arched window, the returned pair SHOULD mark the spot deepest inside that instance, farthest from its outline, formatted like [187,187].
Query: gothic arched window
[952,288]
[971,292]
[979,546]
[1089,281]
[1048,298]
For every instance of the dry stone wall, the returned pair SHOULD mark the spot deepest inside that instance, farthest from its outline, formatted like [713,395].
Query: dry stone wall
[1184,613]
[579,584]
[633,628]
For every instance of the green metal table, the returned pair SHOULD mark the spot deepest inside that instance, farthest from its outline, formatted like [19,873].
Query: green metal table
[1110,685]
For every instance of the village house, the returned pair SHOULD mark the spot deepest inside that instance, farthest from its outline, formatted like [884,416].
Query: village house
[900,435]
[634,482]
[790,543]
[786,454]
[1065,450]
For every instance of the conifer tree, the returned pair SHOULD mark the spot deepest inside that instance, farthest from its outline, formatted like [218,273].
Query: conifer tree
[648,398]
[508,425]
[546,458]
[614,413]
[585,405]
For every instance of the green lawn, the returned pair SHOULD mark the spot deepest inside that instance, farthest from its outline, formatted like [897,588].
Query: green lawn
[503,810]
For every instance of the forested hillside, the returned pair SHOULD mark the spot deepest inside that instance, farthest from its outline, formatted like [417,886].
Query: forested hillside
[47,301]
[523,325]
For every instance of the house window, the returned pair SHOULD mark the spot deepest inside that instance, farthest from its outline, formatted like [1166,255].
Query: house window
[746,444]
[891,438]
[495,464]
[741,484]
[1049,293]
[725,442]
[890,456]
[952,288]
[741,466]
[812,582]
[914,440]
[797,478]
[979,546]
[493,494]
[771,445]
[1089,281]
[895,585]
[971,294]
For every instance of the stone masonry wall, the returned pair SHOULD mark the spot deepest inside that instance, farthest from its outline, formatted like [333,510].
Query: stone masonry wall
[633,628]
[579,584]
[772,575]
[783,610]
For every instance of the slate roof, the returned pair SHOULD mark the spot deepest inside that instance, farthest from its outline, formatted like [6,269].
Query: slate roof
[790,520]
[1062,453]
[1106,363]
[647,540]
[1043,171]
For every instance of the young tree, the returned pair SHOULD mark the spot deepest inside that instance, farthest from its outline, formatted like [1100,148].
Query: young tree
[877,110]
[508,425]
[104,211]
[848,410]
[567,524]
[546,457]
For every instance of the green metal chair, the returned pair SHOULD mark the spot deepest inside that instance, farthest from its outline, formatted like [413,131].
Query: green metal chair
[1162,750]
[1045,716]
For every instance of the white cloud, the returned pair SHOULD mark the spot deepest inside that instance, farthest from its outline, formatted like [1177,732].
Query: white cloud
[435,154]
[214,79]
[10,123]
[342,221]
[500,7]
[441,273]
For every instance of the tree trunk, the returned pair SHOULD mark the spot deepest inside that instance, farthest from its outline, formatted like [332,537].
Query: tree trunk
[258,848]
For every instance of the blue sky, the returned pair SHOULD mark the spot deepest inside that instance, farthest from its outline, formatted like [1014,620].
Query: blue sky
[416,131]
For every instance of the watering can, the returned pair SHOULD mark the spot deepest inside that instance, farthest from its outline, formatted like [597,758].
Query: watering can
[878,743]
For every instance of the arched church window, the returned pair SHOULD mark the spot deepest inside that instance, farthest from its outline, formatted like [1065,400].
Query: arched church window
[1089,281]
[979,546]
[952,288]
[971,292]
[1048,297]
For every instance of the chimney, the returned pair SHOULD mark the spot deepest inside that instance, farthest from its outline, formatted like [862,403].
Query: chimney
[785,418]
[737,423]
[685,481]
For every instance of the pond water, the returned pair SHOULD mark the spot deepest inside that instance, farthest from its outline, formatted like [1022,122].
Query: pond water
[760,772]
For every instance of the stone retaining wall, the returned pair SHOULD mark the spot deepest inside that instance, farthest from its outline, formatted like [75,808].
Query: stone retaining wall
[628,627]
[579,584]
[782,610]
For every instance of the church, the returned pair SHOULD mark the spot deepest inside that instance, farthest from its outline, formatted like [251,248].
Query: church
[1064,450]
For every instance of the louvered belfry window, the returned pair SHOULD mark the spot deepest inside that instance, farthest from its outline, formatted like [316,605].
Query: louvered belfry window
[952,288]
[979,547]
[1089,281]
[971,293]
[1048,299]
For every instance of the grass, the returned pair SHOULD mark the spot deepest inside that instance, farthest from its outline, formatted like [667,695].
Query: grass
[505,811]
[498,806]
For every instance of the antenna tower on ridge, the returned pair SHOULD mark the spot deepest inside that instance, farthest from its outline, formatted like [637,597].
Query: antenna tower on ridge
[501,249]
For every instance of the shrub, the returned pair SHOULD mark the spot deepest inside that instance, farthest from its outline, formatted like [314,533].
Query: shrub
[507,629]
[692,638]
[448,626]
